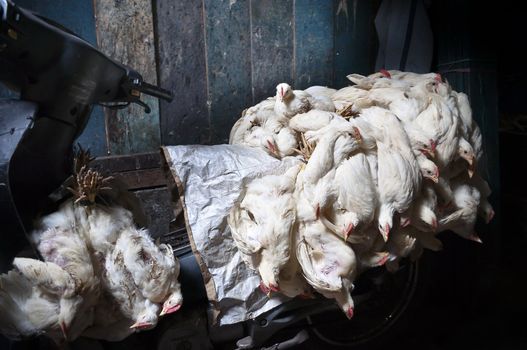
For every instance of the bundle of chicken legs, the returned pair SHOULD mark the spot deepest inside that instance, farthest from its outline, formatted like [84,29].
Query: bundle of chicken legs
[387,163]
[102,277]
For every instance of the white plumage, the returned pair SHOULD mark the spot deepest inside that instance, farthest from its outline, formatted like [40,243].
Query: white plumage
[119,282]
[154,268]
[356,201]
[37,298]
[291,102]
[398,171]
[261,225]
[329,264]
[398,156]
[102,276]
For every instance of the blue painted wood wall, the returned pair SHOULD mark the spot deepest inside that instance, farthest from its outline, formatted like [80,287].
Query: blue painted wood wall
[218,56]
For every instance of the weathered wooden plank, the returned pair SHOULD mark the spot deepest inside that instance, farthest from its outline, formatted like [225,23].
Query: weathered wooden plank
[143,178]
[354,27]
[181,45]
[138,161]
[314,31]
[77,16]
[125,32]
[271,45]
[227,27]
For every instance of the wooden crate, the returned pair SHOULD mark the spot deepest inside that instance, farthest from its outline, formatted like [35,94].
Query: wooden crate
[144,176]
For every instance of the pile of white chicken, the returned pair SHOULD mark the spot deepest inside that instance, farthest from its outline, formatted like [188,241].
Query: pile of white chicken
[387,164]
[101,277]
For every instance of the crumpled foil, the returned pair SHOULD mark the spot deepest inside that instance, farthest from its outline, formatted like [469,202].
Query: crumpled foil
[210,180]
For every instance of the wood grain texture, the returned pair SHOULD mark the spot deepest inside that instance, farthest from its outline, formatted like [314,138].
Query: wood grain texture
[314,33]
[354,28]
[143,178]
[272,26]
[227,28]
[125,32]
[77,16]
[140,161]
[182,69]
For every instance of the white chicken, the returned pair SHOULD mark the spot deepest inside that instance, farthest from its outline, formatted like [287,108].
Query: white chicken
[262,222]
[37,298]
[261,127]
[356,197]
[397,158]
[118,281]
[291,102]
[291,281]
[462,220]
[398,171]
[317,90]
[58,241]
[424,209]
[153,268]
[442,123]
[328,263]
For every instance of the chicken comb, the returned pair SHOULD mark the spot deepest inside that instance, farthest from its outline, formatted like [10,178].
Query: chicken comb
[385,73]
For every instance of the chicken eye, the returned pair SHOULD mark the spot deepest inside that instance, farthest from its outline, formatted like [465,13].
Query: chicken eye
[428,172]
[251,216]
[465,152]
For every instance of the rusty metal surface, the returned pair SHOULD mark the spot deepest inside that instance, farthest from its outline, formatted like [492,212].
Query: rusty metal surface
[125,32]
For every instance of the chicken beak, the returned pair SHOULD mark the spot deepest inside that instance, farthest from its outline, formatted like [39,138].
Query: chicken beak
[383,258]
[475,238]
[357,134]
[427,153]
[170,310]
[385,232]
[348,231]
[405,222]
[272,147]
[264,289]
[434,224]
[349,313]
[64,330]
[268,290]
[433,146]
[470,160]
[138,326]
[274,287]
[470,171]
[490,216]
